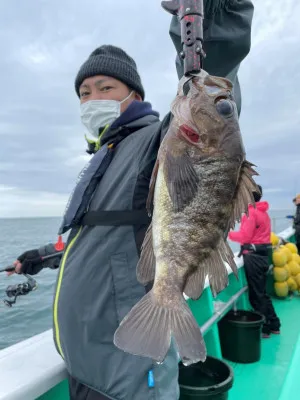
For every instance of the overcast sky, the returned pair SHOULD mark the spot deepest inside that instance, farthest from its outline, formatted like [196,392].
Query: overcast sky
[42,45]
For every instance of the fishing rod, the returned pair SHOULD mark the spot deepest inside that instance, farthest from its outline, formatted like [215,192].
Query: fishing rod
[191,15]
[21,289]
[11,268]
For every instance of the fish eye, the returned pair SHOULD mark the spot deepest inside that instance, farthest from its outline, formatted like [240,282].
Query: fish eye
[225,107]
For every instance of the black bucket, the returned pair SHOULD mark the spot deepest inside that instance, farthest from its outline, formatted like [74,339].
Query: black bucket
[210,380]
[240,336]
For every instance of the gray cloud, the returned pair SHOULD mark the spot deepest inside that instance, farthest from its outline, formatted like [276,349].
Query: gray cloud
[44,43]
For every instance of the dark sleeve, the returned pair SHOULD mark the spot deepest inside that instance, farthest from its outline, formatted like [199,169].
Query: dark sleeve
[227,37]
[52,263]
[297,218]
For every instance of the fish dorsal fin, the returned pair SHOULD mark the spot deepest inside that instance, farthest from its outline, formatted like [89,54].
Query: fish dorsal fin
[244,196]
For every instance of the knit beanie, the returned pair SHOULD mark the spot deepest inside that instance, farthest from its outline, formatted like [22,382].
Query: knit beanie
[114,62]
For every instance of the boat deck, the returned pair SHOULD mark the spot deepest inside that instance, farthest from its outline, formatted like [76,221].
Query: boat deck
[265,379]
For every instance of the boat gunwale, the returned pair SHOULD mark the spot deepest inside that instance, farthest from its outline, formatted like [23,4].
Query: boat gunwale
[41,367]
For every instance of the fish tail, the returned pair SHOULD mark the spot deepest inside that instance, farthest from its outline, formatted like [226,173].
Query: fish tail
[148,327]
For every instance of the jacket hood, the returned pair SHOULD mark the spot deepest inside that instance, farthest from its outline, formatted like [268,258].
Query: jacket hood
[262,206]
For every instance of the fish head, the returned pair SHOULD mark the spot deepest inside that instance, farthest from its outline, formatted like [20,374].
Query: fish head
[207,116]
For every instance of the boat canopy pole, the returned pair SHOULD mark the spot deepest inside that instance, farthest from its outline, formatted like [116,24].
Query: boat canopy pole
[191,15]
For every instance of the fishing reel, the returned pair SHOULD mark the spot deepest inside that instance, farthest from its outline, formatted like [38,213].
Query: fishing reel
[20,289]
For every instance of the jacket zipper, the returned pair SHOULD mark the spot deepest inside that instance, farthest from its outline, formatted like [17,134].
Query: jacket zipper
[59,282]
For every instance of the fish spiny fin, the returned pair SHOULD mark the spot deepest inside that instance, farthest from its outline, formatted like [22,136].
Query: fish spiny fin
[149,203]
[216,270]
[181,179]
[244,197]
[147,330]
[195,283]
[228,256]
[145,269]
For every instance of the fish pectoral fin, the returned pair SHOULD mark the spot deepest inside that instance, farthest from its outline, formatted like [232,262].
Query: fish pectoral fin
[181,179]
[147,330]
[244,196]
[195,283]
[145,269]
[149,203]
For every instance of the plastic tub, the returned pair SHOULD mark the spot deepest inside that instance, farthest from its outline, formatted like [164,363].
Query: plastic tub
[240,336]
[210,380]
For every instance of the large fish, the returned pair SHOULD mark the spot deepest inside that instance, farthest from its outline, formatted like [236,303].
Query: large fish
[201,184]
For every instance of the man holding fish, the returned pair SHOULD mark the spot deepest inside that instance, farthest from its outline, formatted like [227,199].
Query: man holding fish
[119,295]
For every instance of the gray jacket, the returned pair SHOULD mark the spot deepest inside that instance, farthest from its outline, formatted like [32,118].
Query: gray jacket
[97,284]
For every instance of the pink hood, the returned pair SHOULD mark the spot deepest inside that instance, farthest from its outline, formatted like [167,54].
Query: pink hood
[256,228]
[261,206]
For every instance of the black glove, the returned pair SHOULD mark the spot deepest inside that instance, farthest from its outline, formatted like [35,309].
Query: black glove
[31,261]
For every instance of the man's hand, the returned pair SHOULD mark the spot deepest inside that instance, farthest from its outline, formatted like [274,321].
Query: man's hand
[29,262]
[17,270]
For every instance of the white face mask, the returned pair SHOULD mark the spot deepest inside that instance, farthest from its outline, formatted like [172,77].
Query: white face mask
[96,114]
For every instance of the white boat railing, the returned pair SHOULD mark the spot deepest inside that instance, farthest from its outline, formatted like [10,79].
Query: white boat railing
[32,367]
